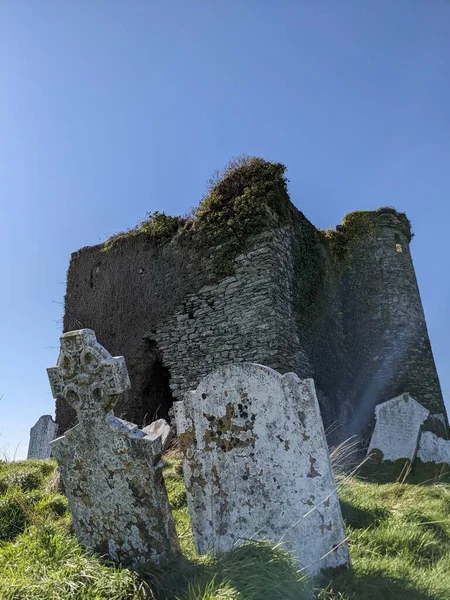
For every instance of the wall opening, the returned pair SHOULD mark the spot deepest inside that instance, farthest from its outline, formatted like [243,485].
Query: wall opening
[156,395]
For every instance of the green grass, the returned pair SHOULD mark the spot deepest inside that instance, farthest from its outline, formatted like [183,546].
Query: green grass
[399,536]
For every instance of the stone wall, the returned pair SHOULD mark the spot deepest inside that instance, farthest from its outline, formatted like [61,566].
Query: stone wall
[386,335]
[246,317]
[123,293]
[317,314]
[343,309]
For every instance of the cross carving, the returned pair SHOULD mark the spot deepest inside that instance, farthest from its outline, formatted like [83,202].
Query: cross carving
[86,375]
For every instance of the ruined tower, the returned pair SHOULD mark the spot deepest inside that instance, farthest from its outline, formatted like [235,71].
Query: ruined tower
[387,341]
[249,278]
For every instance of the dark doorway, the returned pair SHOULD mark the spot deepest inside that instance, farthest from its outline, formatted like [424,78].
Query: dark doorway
[156,394]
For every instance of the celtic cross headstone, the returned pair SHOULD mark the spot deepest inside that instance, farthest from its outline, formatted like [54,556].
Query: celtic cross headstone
[111,470]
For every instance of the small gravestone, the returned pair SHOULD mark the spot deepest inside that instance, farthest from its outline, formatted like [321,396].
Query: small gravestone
[397,428]
[256,465]
[111,470]
[162,429]
[439,425]
[433,449]
[41,434]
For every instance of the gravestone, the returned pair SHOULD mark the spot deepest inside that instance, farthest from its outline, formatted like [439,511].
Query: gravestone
[397,428]
[256,465]
[439,425]
[433,449]
[162,429]
[111,470]
[41,434]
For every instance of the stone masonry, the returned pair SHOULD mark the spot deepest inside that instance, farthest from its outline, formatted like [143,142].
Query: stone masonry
[259,327]
[351,320]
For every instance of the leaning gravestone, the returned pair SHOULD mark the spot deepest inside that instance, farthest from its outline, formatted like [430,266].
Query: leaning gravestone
[433,449]
[41,434]
[256,465]
[397,429]
[111,470]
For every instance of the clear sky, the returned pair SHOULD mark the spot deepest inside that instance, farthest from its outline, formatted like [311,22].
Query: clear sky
[110,109]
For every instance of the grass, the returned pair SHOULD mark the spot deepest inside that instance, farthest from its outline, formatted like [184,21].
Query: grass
[399,536]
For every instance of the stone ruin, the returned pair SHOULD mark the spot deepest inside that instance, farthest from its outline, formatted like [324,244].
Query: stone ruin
[341,306]
[400,433]
[41,434]
[256,465]
[111,470]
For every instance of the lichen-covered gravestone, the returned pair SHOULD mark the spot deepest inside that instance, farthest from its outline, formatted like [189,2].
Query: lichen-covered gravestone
[256,465]
[397,429]
[41,434]
[111,470]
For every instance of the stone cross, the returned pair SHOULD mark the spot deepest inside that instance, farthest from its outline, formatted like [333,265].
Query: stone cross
[41,434]
[397,428]
[111,470]
[256,465]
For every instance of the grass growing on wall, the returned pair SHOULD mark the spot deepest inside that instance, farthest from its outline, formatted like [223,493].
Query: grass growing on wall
[399,537]
[241,199]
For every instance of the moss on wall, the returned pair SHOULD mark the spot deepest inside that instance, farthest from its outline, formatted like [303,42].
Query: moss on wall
[337,304]
[128,287]
[362,226]
[386,339]
[250,191]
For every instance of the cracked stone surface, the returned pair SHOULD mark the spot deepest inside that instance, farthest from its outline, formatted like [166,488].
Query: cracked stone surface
[397,428]
[41,434]
[111,470]
[256,465]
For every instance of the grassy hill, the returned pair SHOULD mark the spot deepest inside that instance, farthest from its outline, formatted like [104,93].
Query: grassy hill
[399,536]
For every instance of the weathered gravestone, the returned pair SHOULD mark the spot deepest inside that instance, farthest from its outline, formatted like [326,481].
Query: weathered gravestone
[41,434]
[162,429]
[433,449]
[397,429]
[256,465]
[111,470]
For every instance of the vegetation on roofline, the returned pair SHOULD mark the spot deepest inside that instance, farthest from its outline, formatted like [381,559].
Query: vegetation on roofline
[361,224]
[399,536]
[240,201]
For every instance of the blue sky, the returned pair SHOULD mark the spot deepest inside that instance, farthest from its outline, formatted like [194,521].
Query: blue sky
[111,109]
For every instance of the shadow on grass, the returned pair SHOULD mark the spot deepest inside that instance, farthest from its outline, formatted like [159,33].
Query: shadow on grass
[370,586]
[362,517]
[252,570]
[376,470]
